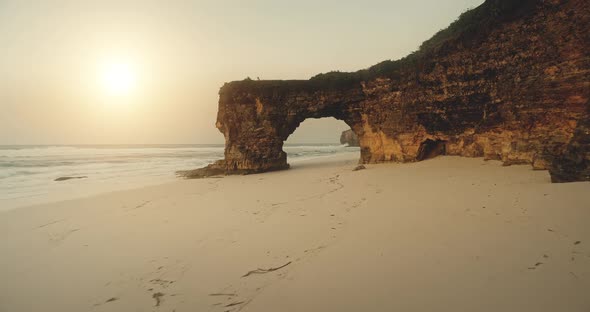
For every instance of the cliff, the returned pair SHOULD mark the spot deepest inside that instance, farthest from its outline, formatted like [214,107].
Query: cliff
[349,137]
[509,80]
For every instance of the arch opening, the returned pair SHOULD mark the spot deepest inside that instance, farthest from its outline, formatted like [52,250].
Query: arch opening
[317,137]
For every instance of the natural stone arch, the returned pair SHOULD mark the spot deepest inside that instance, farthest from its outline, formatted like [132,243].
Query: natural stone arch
[507,92]
[256,124]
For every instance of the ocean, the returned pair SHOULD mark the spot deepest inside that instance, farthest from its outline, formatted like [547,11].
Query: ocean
[27,173]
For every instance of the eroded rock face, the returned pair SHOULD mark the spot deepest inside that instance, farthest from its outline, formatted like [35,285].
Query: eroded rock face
[574,163]
[350,138]
[518,93]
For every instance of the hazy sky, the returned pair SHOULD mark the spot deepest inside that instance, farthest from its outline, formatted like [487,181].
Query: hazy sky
[165,60]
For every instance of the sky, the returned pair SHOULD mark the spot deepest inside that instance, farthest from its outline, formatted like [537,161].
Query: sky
[149,72]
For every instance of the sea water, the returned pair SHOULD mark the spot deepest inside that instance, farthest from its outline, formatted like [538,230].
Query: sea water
[27,173]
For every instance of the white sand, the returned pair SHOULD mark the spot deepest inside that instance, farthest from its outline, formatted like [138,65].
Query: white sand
[448,234]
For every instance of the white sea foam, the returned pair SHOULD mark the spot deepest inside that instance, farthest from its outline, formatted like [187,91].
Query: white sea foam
[27,173]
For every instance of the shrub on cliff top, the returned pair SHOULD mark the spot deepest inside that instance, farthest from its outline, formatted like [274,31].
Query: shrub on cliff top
[470,27]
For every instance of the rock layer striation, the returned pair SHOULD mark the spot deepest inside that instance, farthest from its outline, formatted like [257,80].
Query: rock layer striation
[509,81]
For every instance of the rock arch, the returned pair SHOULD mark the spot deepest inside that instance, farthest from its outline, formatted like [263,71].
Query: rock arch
[515,90]
[256,124]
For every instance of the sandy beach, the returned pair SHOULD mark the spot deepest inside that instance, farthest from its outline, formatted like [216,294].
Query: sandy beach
[446,234]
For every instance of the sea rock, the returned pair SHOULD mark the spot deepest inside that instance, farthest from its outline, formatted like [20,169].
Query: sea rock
[509,80]
[208,171]
[349,137]
[359,167]
[69,178]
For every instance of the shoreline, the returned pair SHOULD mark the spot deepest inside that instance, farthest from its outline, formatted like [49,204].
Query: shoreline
[471,234]
[126,184]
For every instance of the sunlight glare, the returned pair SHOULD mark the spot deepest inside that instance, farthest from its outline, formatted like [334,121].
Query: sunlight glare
[118,78]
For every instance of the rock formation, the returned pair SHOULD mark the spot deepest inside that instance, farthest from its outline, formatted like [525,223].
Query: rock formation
[350,138]
[509,80]
[68,178]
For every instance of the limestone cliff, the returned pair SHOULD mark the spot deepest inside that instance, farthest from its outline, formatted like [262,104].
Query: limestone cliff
[350,138]
[509,80]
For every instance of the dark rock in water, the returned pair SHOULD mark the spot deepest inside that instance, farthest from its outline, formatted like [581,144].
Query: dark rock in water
[359,167]
[69,178]
[218,168]
[208,171]
[349,137]
[509,81]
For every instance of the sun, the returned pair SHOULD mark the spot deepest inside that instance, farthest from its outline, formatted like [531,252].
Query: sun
[118,78]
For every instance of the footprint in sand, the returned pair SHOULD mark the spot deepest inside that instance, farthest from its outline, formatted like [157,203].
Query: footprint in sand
[228,297]
[161,282]
[59,237]
[536,266]
[112,299]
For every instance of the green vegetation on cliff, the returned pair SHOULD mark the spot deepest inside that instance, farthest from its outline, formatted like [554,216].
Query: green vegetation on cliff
[471,26]
[468,29]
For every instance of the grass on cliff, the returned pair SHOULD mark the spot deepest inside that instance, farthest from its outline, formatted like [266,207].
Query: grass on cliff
[469,28]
